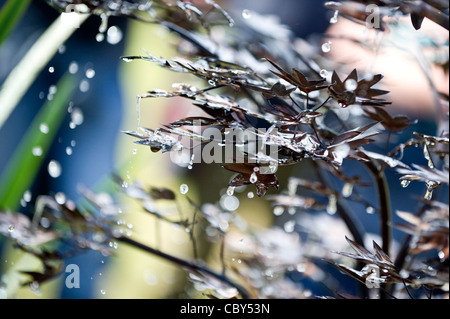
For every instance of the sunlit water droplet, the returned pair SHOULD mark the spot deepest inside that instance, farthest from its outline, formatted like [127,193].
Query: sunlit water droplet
[441,255]
[11,228]
[51,69]
[246,14]
[27,196]
[103,292]
[253,178]
[351,85]
[230,190]
[289,226]
[54,169]
[62,49]
[90,73]
[332,205]
[77,116]
[73,67]
[229,203]
[326,47]
[184,189]
[43,128]
[84,86]
[405,183]
[114,35]
[60,198]
[68,150]
[428,194]
[370,210]
[323,73]
[278,211]
[250,195]
[334,18]
[347,190]
[100,37]
[211,82]
[37,151]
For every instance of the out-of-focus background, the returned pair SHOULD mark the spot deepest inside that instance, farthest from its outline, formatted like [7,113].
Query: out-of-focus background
[89,145]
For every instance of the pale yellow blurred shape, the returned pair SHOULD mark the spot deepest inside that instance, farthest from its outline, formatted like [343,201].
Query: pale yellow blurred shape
[133,273]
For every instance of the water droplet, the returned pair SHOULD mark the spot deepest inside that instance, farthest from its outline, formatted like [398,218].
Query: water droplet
[125,59]
[36,151]
[441,255]
[230,190]
[370,210]
[45,222]
[73,67]
[73,143]
[347,190]
[54,169]
[404,274]
[43,128]
[250,195]
[51,69]
[114,35]
[184,189]
[62,49]
[90,73]
[229,203]
[103,292]
[84,86]
[211,82]
[332,205]
[68,150]
[60,198]
[124,184]
[351,85]
[289,226]
[41,95]
[11,228]
[52,89]
[100,37]
[246,14]
[77,116]
[256,169]
[278,210]
[405,183]
[27,196]
[323,73]
[334,18]
[326,47]
[429,194]
[253,178]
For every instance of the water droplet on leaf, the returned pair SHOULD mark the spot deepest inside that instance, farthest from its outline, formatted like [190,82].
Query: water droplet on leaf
[246,14]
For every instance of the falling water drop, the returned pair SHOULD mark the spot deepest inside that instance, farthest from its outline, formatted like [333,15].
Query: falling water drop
[60,198]
[77,116]
[246,14]
[114,35]
[54,169]
[230,190]
[278,211]
[184,189]
[73,67]
[332,205]
[90,73]
[253,178]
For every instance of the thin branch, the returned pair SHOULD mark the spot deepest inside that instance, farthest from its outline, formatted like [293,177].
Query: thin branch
[187,264]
